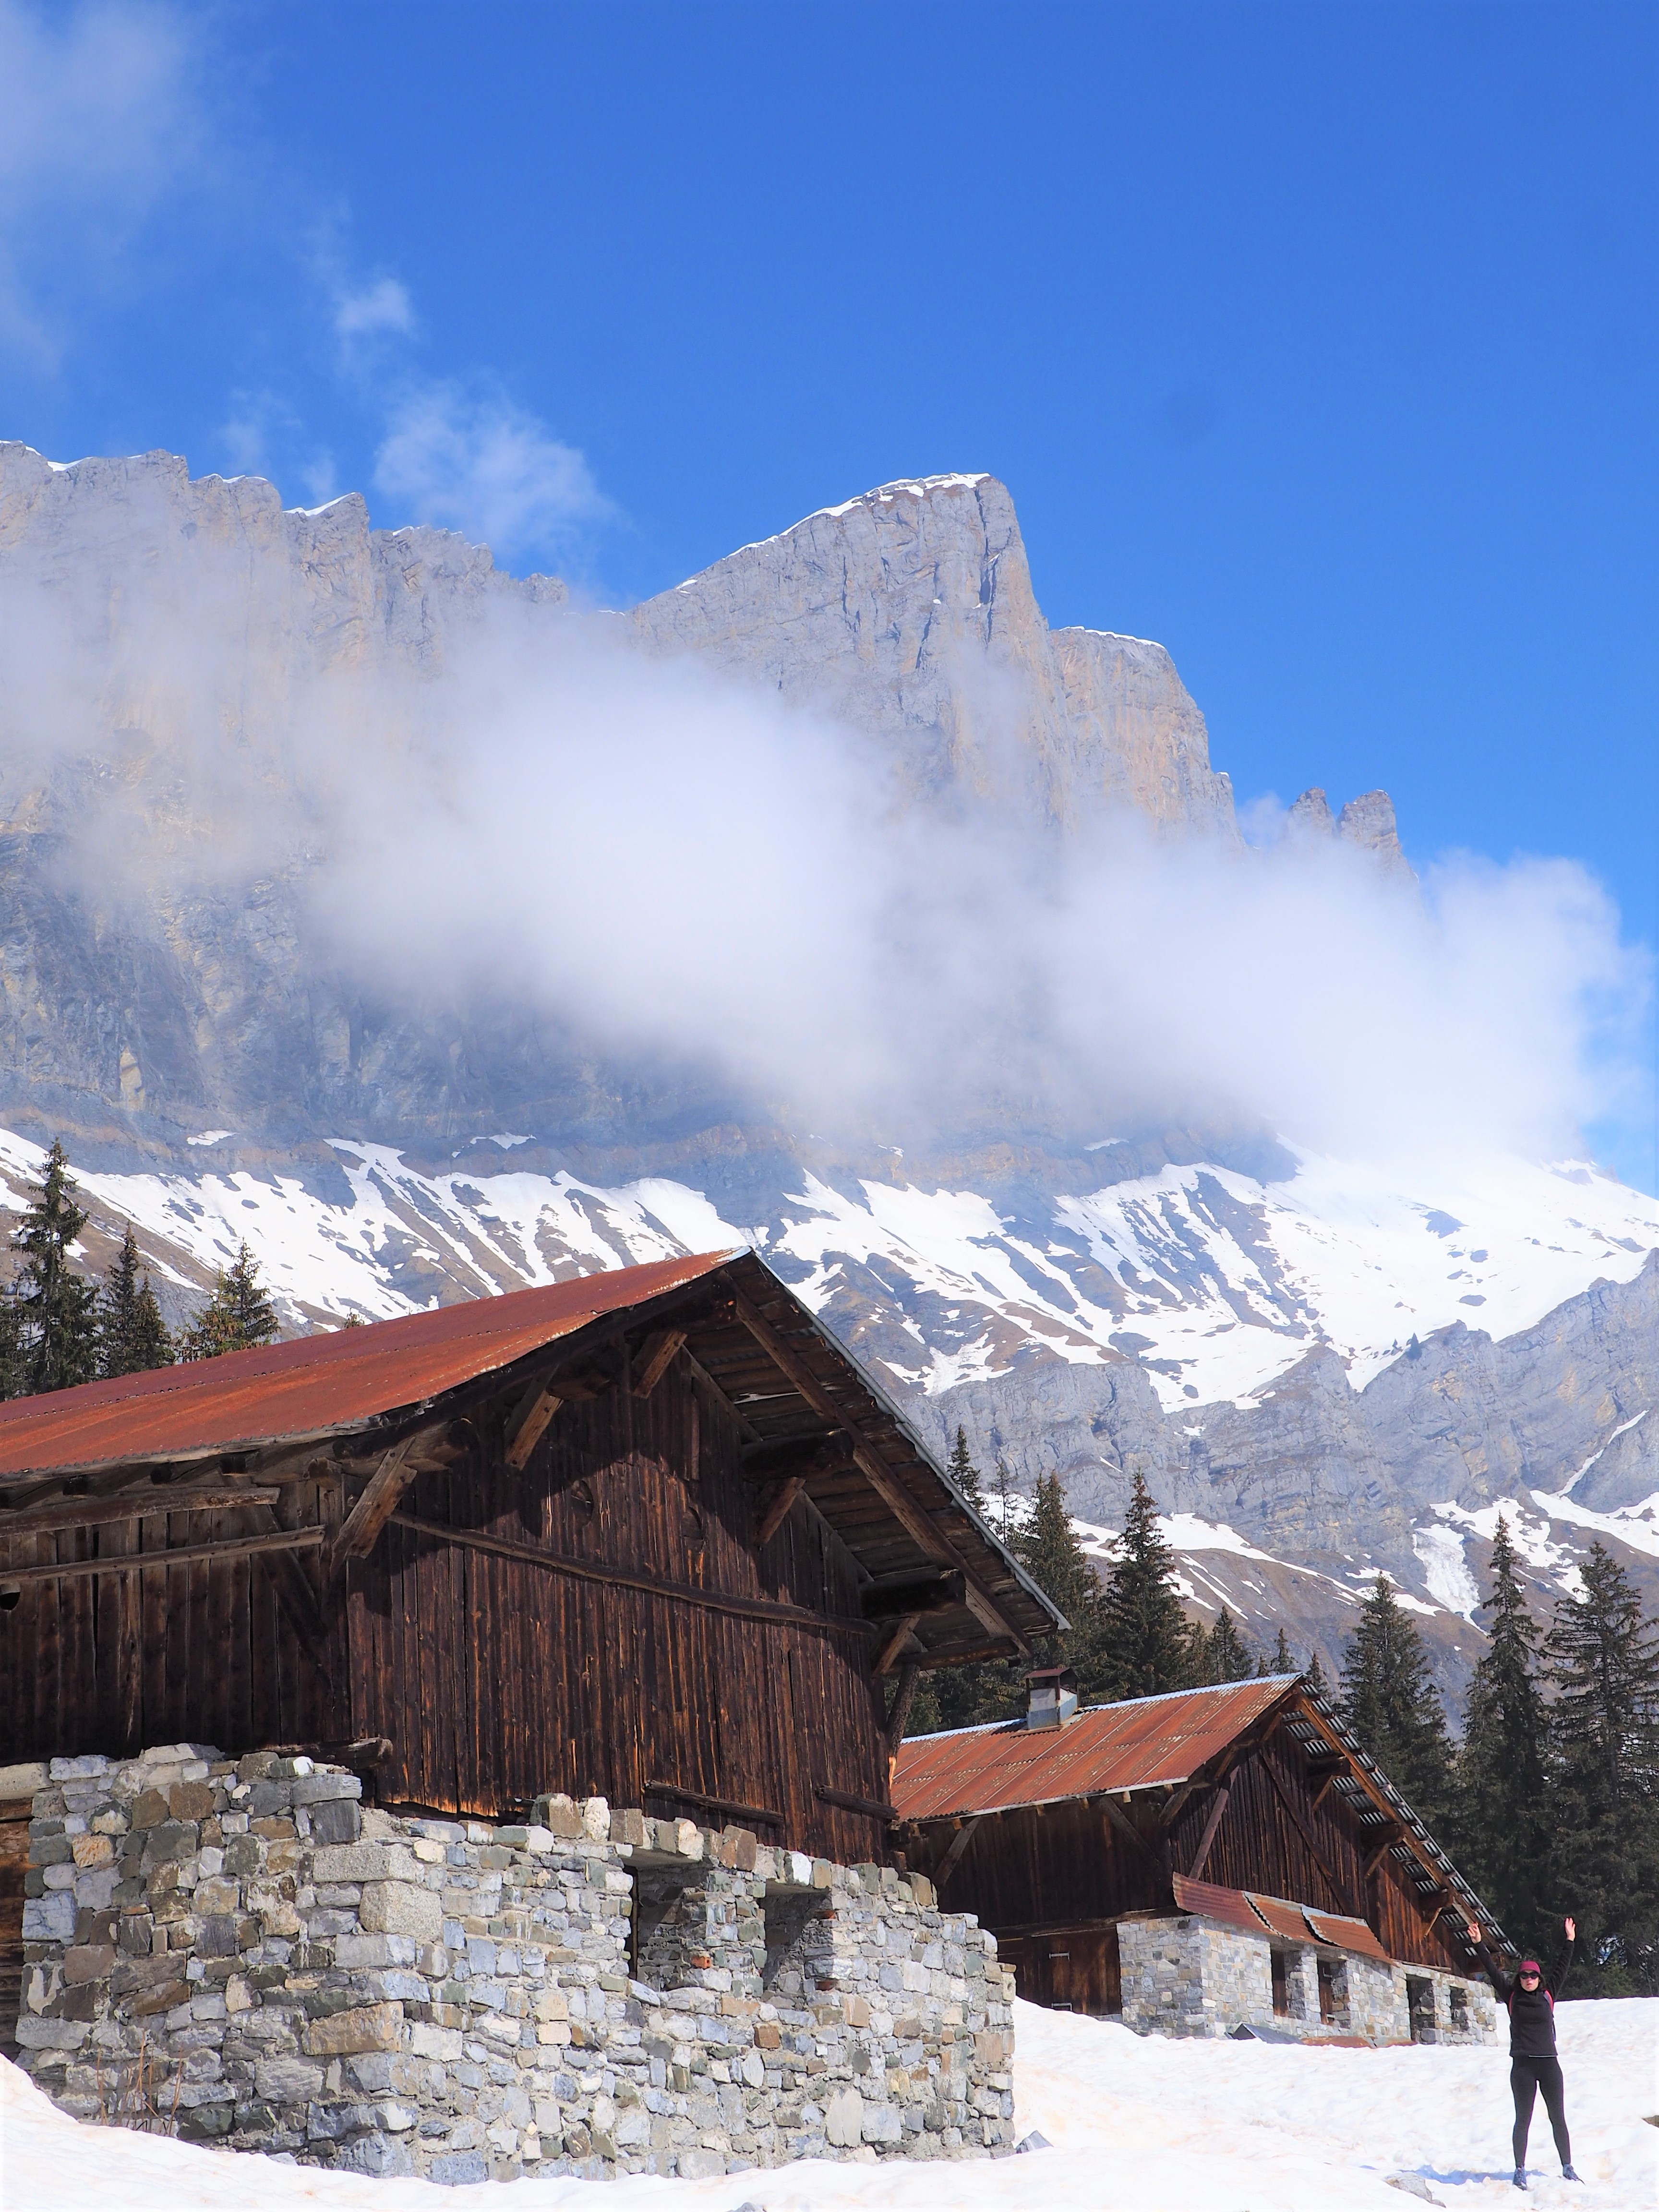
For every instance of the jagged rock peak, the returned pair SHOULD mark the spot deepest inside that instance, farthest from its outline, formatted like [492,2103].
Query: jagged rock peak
[910,610]
[1367,822]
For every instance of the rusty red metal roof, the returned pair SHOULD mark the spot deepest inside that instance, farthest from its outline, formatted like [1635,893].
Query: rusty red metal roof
[1347,1934]
[1211,1902]
[315,1385]
[1133,1746]
[1279,1914]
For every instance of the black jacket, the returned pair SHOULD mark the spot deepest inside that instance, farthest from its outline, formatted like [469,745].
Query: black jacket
[1532,2013]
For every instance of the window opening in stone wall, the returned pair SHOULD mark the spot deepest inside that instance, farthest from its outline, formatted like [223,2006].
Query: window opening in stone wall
[1460,2011]
[790,1915]
[663,1941]
[1333,1993]
[1280,1966]
[1419,2007]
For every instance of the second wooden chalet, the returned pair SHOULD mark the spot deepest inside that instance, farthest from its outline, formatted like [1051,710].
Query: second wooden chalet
[1212,1861]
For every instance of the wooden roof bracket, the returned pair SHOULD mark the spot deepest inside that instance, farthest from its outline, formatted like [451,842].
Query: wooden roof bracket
[881,1478]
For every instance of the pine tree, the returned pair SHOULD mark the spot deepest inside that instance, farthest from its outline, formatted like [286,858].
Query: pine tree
[1604,1664]
[1502,1814]
[237,1317]
[131,1334]
[963,1474]
[1148,1645]
[1390,1702]
[1282,1662]
[1226,1655]
[1048,1549]
[57,1325]
[1313,1675]
[14,1380]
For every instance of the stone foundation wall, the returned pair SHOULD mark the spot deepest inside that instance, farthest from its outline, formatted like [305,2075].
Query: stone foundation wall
[1194,1977]
[242,1952]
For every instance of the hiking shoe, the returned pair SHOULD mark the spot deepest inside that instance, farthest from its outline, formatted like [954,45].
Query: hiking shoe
[1567,2174]
[1519,2176]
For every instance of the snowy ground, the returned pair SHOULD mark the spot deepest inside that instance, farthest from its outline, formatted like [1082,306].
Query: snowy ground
[1136,2126]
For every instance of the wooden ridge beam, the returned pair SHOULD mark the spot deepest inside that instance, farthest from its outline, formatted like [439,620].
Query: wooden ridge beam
[887,1487]
[731,1805]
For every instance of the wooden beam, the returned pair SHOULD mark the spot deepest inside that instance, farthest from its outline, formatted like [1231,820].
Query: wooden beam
[958,1844]
[1306,1833]
[181,1555]
[776,1511]
[899,1711]
[131,1505]
[937,1593]
[849,1801]
[912,1517]
[360,1531]
[1124,1826]
[529,1425]
[731,1805]
[585,1571]
[1202,1854]
[903,1629]
[656,1356]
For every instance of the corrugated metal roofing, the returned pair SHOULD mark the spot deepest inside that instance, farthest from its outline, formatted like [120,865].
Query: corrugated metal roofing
[1211,1902]
[1281,1916]
[315,1384]
[1347,1934]
[1133,1746]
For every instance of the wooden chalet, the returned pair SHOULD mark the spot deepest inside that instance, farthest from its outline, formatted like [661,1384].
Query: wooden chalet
[651,1535]
[1249,1804]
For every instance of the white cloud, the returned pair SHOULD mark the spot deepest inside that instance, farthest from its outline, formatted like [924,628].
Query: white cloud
[379,306]
[99,119]
[479,463]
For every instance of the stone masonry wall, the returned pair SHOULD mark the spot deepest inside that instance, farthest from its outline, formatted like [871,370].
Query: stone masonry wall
[242,1952]
[1193,1976]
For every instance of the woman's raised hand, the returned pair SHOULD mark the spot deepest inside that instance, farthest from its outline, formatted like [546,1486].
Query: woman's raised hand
[1571,1926]
[1472,1932]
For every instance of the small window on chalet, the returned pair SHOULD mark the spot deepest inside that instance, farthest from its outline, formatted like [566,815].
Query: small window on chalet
[1460,2011]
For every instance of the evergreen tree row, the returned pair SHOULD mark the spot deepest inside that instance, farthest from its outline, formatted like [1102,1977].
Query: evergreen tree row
[1549,1805]
[58,1329]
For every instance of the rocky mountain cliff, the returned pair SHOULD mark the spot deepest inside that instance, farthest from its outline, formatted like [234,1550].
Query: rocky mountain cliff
[1321,1373]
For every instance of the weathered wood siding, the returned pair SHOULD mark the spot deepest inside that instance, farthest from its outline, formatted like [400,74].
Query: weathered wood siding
[495,1678]
[198,1653]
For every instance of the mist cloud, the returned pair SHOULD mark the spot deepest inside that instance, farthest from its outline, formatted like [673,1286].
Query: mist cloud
[681,869]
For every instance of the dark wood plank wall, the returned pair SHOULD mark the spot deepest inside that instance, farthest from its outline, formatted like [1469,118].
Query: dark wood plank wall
[1069,1864]
[201,1652]
[496,1679]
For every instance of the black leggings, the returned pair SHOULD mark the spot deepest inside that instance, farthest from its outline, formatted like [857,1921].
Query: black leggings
[1526,2078]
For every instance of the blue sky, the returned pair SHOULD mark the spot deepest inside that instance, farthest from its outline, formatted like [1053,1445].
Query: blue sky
[1316,342]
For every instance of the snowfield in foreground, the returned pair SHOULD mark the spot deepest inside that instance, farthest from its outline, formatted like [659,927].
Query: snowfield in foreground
[1136,2126]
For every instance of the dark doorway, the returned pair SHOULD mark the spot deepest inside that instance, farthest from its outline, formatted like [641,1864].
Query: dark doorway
[1281,1973]
[14,1865]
